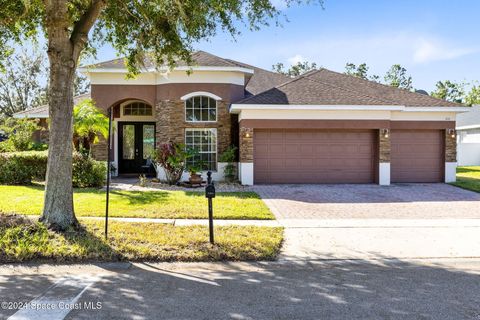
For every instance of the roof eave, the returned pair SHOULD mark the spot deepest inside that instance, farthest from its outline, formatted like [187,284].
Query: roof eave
[85,70]
[237,108]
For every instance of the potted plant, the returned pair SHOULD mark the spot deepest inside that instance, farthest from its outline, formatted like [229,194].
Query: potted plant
[195,169]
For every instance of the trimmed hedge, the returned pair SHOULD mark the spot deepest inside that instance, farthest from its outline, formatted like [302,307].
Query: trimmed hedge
[24,166]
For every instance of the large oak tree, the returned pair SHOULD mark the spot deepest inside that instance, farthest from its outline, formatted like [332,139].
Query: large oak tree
[164,29]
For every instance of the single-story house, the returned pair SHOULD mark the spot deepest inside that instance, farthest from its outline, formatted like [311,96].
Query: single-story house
[468,137]
[321,127]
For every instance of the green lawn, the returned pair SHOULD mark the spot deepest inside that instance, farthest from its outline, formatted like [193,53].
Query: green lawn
[25,240]
[468,178]
[144,204]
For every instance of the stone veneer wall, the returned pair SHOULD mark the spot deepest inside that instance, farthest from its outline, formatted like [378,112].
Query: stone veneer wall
[384,147]
[246,144]
[171,124]
[450,147]
[100,150]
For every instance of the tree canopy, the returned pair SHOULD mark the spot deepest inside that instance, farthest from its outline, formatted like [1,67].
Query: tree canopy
[21,83]
[163,30]
[397,77]
[295,70]
[449,90]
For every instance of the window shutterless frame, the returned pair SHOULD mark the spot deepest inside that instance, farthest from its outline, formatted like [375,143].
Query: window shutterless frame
[214,132]
[192,100]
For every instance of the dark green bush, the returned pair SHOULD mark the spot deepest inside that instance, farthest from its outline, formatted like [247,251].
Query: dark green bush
[25,166]
[88,172]
[22,167]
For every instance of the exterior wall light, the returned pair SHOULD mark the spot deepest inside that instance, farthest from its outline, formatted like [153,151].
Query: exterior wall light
[451,132]
[385,133]
[247,135]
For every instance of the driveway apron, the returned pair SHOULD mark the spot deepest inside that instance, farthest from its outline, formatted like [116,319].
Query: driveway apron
[375,222]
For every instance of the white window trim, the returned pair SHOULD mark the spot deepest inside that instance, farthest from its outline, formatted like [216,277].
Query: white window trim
[216,143]
[200,93]
[196,95]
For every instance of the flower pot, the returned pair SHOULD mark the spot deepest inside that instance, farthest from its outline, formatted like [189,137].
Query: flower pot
[195,178]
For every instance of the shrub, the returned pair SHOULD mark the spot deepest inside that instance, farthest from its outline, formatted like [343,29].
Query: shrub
[19,132]
[23,167]
[229,156]
[87,172]
[172,157]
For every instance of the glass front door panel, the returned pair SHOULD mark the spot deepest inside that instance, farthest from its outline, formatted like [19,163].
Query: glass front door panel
[128,142]
[148,140]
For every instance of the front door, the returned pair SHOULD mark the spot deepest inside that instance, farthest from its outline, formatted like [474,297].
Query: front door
[136,143]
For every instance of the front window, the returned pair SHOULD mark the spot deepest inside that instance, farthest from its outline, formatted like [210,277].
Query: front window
[200,109]
[204,141]
[137,109]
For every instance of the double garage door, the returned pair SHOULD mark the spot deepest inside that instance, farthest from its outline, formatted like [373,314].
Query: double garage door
[344,156]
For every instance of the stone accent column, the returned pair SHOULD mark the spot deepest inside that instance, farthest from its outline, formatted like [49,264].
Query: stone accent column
[246,156]
[450,156]
[246,144]
[384,157]
[450,146]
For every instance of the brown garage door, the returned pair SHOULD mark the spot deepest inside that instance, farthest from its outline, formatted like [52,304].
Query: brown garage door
[314,156]
[417,156]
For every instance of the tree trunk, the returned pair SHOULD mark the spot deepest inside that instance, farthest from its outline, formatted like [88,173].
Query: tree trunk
[65,44]
[58,210]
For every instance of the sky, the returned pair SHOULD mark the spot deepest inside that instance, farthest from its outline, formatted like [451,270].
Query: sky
[433,39]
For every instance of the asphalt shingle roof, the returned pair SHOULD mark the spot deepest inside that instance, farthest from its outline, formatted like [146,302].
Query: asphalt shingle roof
[262,79]
[200,58]
[325,87]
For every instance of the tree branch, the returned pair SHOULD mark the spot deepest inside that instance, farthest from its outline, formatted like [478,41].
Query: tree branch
[82,27]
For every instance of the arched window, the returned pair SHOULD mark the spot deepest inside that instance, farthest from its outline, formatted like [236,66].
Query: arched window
[137,109]
[200,109]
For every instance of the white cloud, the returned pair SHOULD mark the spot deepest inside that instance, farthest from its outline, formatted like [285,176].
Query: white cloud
[296,59]
[379,51]
[431,50]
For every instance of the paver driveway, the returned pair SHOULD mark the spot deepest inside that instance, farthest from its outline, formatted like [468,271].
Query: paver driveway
[375,222]
[407,201]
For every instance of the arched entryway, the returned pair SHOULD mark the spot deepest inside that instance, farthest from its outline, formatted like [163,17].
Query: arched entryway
[133,136]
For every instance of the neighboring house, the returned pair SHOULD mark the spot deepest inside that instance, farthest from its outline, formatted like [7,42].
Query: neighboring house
[321,127]
[41,113]
[468,137]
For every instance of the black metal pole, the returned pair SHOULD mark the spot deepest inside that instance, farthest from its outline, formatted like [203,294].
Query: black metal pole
[210,220]
[210,206]
[109,151]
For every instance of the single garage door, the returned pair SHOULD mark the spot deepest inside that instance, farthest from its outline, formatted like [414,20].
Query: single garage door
[417,156]
[314,156]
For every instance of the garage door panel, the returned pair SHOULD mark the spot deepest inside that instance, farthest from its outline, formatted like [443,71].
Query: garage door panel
[417,156]
[314,156]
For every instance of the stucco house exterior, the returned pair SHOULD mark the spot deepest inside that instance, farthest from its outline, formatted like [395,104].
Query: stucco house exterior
[321,127]
[468,137]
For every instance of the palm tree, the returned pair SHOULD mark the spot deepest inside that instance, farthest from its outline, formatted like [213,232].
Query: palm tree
[89,123]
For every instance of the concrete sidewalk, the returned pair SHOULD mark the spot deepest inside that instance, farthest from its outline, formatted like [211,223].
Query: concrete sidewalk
[190,222]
